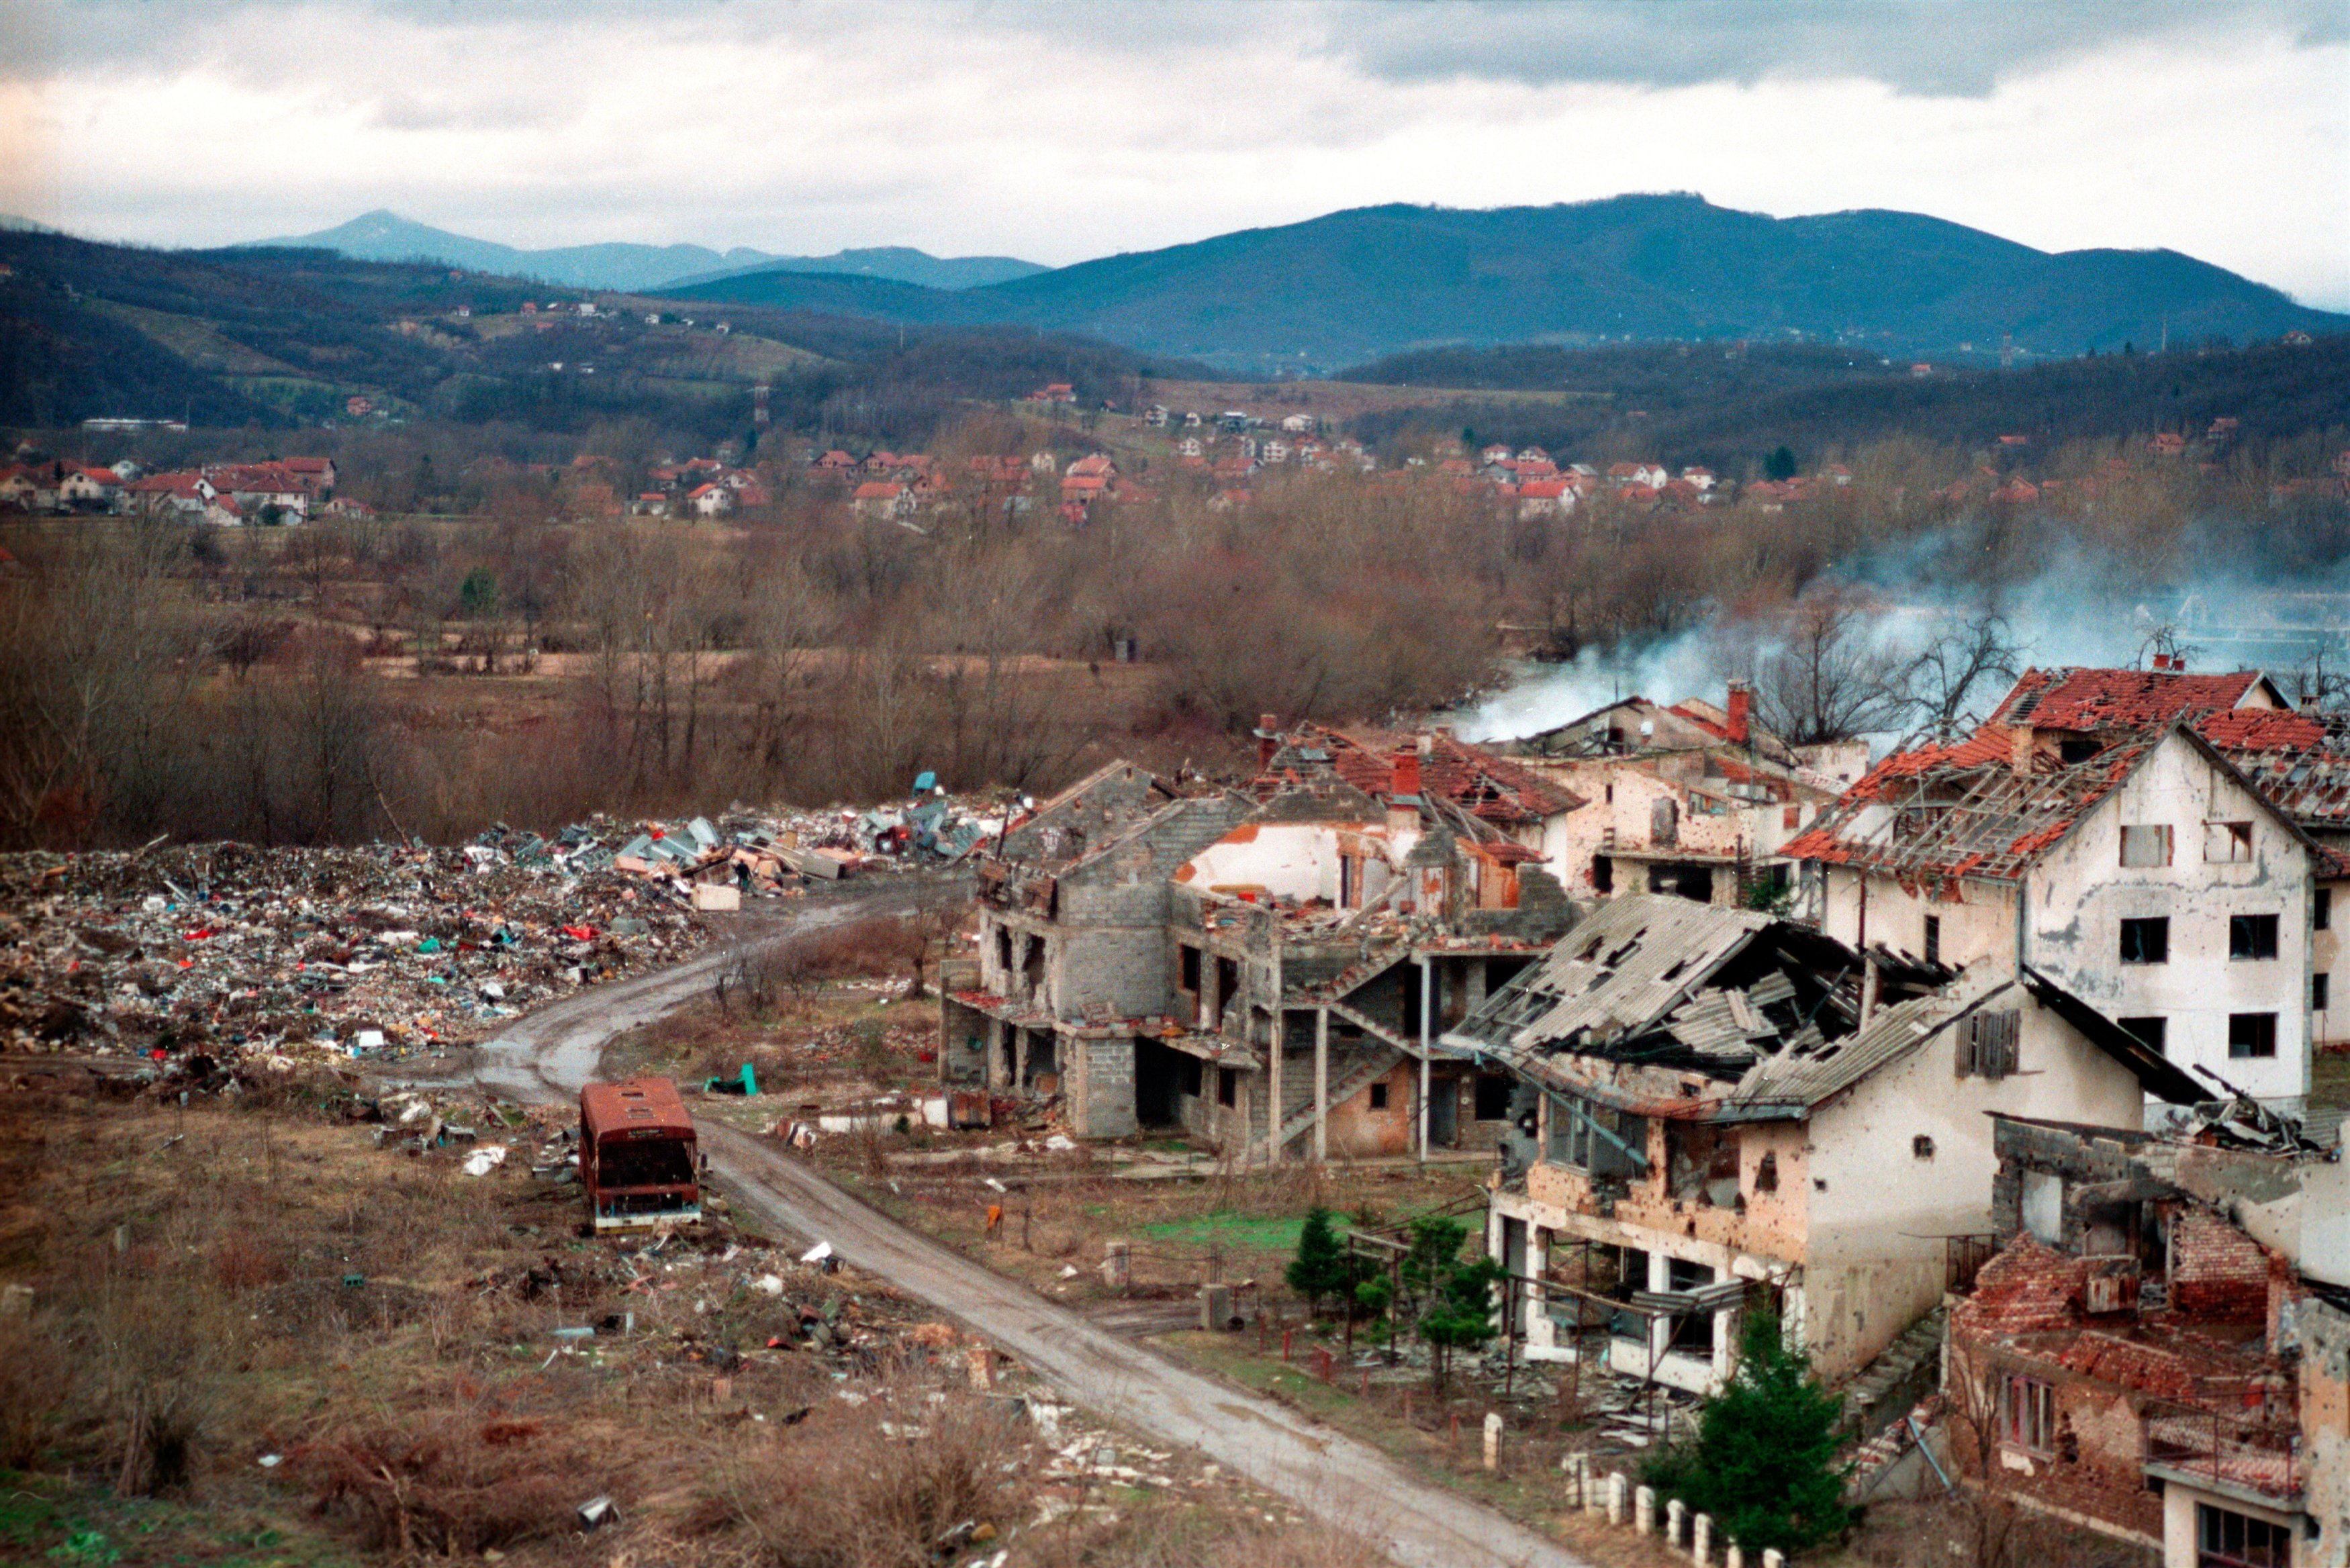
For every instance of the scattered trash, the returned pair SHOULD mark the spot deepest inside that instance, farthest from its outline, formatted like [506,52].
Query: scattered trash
[485,1159]
[270,1461]
[597,1512]
[820,1255]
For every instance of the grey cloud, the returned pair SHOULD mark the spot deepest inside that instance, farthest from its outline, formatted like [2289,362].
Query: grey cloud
[1929,47]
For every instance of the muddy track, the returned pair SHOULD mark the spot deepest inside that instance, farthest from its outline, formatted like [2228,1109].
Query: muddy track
[1346,1482]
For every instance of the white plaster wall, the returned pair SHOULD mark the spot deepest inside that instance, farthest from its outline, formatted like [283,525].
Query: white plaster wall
[2178,1544]
[1978,926]
[1289,859]
[2080,893]
[1874,1263]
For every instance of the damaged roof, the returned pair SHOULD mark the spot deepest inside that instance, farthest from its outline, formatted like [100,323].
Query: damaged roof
[1488,787]
[2299,761]
[1668,1007]
[2091,701]
[1965,809]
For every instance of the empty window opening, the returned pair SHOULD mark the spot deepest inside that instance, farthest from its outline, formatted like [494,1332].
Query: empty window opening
[1379,1096]
[2152,1033]
[1921,1147]
[2251,1035]
[2228,842]
[1190,981]
[1766,1173]
[1933,939]
[2071,753]
[2321,917]
[2146,845]
[2251,936]
[2318,992]
[2028,1414]
[1492,1097]
[2146,941]
[1228,1086]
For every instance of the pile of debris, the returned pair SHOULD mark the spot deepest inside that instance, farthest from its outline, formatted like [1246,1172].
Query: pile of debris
[229,952]
[774,854]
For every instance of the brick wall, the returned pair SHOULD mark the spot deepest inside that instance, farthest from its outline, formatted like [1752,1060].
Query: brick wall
[2217,1273]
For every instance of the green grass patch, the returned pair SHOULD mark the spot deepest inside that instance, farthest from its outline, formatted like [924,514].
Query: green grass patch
[1264,1232]
[49,1521]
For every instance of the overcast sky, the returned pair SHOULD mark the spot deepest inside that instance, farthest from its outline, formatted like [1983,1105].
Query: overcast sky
[1061,132]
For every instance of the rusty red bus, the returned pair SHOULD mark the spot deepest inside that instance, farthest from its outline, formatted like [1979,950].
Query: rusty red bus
[636,1156]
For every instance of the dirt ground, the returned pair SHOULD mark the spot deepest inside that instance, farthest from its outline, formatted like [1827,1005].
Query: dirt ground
[267,1331]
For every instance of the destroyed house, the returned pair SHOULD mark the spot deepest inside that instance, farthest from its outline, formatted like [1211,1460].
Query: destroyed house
[1679,803]
[1266,976]
[1716,1109]
[2301,762]
[1473,792]
[2161,1351]
[2088,830]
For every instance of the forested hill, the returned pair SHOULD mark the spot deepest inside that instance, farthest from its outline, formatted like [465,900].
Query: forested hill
[1357,285]
[1723,405]
[294,336]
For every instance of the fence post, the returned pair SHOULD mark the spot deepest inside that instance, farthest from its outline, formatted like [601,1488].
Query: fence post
[1773,1558]
[1676,1522]
[1702,1540]
[1615,1498]
[1492,1440]
[1735,1557]
[1644,1510]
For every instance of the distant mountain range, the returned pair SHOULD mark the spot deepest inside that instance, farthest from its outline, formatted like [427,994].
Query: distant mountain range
[386,236]
[1354,285]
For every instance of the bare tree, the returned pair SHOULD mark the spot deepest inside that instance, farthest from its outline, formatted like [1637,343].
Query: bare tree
[1828,677]
[1942,680]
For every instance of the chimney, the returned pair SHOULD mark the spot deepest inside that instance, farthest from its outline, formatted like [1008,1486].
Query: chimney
[2019,737]
[1268,739]
[1742,713]
[1407,773]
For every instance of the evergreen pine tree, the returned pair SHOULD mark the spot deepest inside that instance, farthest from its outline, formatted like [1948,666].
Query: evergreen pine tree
[1461,1317]
[1764,1462]
[1321,1267]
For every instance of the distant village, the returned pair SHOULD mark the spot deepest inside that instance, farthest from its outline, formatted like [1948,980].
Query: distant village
[1224,456]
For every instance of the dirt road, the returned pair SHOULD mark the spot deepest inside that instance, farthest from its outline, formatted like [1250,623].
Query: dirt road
[1348,1483]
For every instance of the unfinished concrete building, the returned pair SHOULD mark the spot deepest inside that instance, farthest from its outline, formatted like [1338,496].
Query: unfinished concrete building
[2161,1351]
[1721,1109]
[2089,831]
[1269,977]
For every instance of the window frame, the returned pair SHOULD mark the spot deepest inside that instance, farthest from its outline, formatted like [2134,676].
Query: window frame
[2143,926]
[2027,1410]
[2321,990]
[2321,918]
[2253,938]
[2158,1041]
[2212,1545]
[1932,940]
[2262,1047]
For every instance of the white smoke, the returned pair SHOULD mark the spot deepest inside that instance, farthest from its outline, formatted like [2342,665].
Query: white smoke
[2077,611]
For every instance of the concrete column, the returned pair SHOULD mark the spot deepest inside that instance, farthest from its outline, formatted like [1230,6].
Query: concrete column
[1277,1113]
[1644,1510]
[1492,1440]
[1676,1522]
[1425,1015]
[1702,1540]
[1616,1484]
[1321,1085]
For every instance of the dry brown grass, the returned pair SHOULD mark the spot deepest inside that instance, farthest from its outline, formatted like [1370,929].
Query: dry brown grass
[194,1310]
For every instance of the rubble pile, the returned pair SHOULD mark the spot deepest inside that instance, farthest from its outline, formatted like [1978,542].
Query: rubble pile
[776,853]
[229,951]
